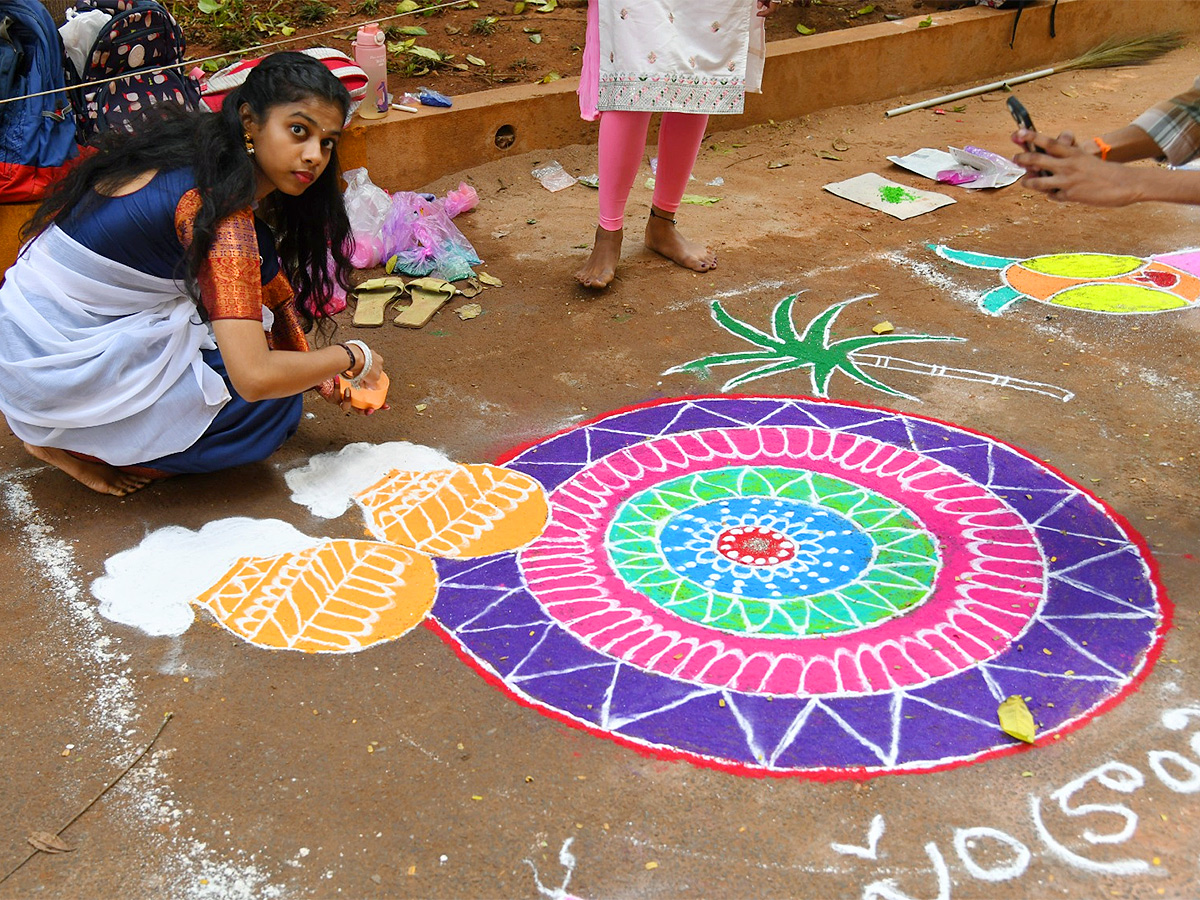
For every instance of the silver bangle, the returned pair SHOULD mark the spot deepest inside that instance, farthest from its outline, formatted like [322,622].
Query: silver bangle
[368,360]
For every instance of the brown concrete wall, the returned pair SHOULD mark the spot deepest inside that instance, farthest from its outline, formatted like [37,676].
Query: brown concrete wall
[858,65]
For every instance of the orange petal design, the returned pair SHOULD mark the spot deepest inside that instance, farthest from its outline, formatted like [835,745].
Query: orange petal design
[339,597]
[466,511]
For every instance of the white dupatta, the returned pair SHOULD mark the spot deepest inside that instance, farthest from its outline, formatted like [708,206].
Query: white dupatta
[99,358]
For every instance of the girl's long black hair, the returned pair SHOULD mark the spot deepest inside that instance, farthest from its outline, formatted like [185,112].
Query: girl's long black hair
[311,230]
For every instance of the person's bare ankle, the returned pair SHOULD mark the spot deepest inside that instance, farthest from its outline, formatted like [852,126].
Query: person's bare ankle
[664,238]
[601,266]
[98,476]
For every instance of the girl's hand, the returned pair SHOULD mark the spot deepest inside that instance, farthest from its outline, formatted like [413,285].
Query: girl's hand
[766,7]
[341,396]
[371,378]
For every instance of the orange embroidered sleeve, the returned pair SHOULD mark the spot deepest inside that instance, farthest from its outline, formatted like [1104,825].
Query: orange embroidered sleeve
[231,278]
[288,331]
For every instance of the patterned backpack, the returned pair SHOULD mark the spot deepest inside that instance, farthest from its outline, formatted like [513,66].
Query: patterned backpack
[1018,5]
[128,54]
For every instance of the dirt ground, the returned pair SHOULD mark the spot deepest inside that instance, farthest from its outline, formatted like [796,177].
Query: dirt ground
[399,772]
[482,44]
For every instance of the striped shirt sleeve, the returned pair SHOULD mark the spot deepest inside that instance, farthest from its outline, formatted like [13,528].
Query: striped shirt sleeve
[1175,126]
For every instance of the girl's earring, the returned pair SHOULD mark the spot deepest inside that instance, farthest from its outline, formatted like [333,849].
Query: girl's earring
[249,143]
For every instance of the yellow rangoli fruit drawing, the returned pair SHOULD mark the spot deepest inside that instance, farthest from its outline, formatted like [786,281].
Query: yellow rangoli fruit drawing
[466,511]
[338,597]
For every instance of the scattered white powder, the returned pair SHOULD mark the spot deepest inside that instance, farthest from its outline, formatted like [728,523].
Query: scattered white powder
[144,805]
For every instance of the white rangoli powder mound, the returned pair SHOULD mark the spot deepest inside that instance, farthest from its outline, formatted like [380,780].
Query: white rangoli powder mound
[330,480]
[152,585]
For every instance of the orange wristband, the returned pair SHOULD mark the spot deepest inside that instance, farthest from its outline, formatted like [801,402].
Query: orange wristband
[1105,148]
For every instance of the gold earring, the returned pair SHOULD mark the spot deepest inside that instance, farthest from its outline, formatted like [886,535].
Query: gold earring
[249,143]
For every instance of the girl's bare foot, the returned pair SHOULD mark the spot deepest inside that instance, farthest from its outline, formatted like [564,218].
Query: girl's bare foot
[99,476]
[664,238]
[601,267]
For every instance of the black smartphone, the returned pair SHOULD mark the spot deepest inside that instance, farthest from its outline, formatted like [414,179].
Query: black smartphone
[1021,116]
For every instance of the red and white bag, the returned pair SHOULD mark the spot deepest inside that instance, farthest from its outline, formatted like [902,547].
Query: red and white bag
[216,87]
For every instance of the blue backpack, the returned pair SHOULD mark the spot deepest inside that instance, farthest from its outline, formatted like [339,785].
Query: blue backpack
[37,134]
[127,56]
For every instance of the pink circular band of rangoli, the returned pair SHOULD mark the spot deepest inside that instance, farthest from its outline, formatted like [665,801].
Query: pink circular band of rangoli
[990,584]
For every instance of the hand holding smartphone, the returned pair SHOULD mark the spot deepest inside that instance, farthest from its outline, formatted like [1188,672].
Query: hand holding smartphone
[1021,116]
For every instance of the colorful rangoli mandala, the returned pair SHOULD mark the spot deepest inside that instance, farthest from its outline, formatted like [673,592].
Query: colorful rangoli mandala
[787,586]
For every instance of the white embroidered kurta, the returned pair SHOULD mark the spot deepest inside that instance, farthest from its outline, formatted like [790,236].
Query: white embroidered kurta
[694,56]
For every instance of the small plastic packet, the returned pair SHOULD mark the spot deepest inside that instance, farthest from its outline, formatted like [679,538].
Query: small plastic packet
[553,176]
[429,97]
[463,199]
[423,240]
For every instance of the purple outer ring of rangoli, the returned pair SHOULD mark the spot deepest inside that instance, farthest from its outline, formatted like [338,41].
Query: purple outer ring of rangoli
[1098,570]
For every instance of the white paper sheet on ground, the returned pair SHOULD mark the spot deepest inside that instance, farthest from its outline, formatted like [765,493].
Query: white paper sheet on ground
[886,196]
[151,586]
[991,170]
[330,480]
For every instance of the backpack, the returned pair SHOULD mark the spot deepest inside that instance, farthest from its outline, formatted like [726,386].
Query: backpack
[37,134]
[216,87]
[128,54]
[1018,5]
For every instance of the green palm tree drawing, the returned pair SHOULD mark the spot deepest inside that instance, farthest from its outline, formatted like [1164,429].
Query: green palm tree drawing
[786,350]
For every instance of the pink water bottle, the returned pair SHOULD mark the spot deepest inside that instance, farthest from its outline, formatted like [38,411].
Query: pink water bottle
[370,53]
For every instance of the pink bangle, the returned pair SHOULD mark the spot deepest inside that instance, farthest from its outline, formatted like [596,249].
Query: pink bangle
[1105,148]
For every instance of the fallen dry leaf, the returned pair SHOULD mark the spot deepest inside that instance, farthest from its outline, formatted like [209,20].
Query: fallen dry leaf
[48,843]
[1016,719]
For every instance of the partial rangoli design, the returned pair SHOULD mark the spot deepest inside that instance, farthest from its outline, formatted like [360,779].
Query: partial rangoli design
[786,350]
[784,585]
[465,511]
[1096,282]
[338,597]
[321,595]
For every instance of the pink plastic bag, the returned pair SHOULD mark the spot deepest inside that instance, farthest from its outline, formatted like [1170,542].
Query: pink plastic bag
[465,199]
[420,235]
[367,206]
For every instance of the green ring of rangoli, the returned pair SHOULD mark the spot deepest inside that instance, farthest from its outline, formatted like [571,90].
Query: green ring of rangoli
[900,575]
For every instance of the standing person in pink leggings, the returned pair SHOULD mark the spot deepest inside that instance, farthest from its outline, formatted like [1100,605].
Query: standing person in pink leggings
[686,59]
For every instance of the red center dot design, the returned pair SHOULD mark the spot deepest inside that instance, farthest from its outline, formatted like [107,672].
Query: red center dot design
[761,546]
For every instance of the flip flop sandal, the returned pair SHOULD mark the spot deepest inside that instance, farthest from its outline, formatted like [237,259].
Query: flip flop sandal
[372,298]
[468,288]
[428,296]
[383,281]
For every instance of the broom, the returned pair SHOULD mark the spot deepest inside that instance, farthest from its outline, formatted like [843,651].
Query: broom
[1112,52]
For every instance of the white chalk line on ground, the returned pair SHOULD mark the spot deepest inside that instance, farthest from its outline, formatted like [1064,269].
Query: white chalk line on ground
[193,871]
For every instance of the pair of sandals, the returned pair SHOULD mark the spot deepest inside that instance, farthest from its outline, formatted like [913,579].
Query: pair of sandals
[374,296]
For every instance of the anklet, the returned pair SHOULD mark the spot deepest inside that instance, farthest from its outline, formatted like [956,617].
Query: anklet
[655,215]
